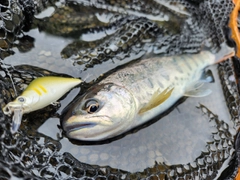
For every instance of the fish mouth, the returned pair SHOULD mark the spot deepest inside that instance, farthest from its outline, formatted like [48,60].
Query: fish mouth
[75,123]
[86,128]
[78,126]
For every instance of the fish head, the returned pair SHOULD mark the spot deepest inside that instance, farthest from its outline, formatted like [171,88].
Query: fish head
[105,111]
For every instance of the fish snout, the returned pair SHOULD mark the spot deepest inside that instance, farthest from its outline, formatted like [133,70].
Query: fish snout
[86,128]
[73,124]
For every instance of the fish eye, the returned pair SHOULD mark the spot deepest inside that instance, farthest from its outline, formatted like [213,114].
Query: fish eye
[91,106]
[21,99]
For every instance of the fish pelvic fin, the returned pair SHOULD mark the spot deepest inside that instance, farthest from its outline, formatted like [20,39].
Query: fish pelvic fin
[157,99]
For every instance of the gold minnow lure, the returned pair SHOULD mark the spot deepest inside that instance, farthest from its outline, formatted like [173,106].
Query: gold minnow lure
[40,93]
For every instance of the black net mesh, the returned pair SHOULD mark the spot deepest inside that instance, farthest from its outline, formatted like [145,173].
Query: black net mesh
[15,17]
[129,33]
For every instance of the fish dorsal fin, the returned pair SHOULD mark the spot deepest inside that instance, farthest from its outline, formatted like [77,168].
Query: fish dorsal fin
[157,99]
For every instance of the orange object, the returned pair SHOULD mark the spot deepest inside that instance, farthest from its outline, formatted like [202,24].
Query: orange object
[234,26]
[238,175]
[234,1]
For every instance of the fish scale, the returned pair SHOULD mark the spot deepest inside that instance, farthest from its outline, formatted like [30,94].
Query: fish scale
[138,92]
[147,71]
[158,73]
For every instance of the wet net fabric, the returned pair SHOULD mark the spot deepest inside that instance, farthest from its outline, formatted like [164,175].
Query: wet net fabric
[29,154]
[16,17]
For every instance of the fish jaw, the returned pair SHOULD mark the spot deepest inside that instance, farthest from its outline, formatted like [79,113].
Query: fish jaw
[87,128]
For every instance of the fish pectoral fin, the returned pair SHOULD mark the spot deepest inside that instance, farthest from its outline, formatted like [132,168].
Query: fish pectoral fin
[201,92]
[157,99]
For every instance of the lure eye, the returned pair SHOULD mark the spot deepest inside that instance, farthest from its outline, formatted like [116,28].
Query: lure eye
[91,106]
[21,99]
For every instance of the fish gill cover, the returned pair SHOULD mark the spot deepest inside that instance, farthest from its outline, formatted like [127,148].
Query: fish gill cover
[129,30]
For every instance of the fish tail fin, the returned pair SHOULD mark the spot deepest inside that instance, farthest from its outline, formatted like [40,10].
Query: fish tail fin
[224,53]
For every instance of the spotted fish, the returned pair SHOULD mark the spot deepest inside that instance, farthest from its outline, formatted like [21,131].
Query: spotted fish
[137,93]
[40,93]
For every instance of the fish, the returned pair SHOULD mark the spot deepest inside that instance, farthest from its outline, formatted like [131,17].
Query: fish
[138,92]
[40,93]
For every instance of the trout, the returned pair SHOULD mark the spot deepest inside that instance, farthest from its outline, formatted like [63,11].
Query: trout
[137,93]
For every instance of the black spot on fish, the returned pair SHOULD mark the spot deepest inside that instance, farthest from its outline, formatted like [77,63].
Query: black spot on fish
[177,66]
[160,84]
[150,83]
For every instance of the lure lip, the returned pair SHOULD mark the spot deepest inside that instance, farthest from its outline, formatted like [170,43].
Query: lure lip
[16,119]
[15,110]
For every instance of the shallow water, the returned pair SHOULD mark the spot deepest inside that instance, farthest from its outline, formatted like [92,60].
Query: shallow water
[178,138]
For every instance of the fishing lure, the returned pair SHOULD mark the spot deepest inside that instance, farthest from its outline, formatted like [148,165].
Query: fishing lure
[40,93]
